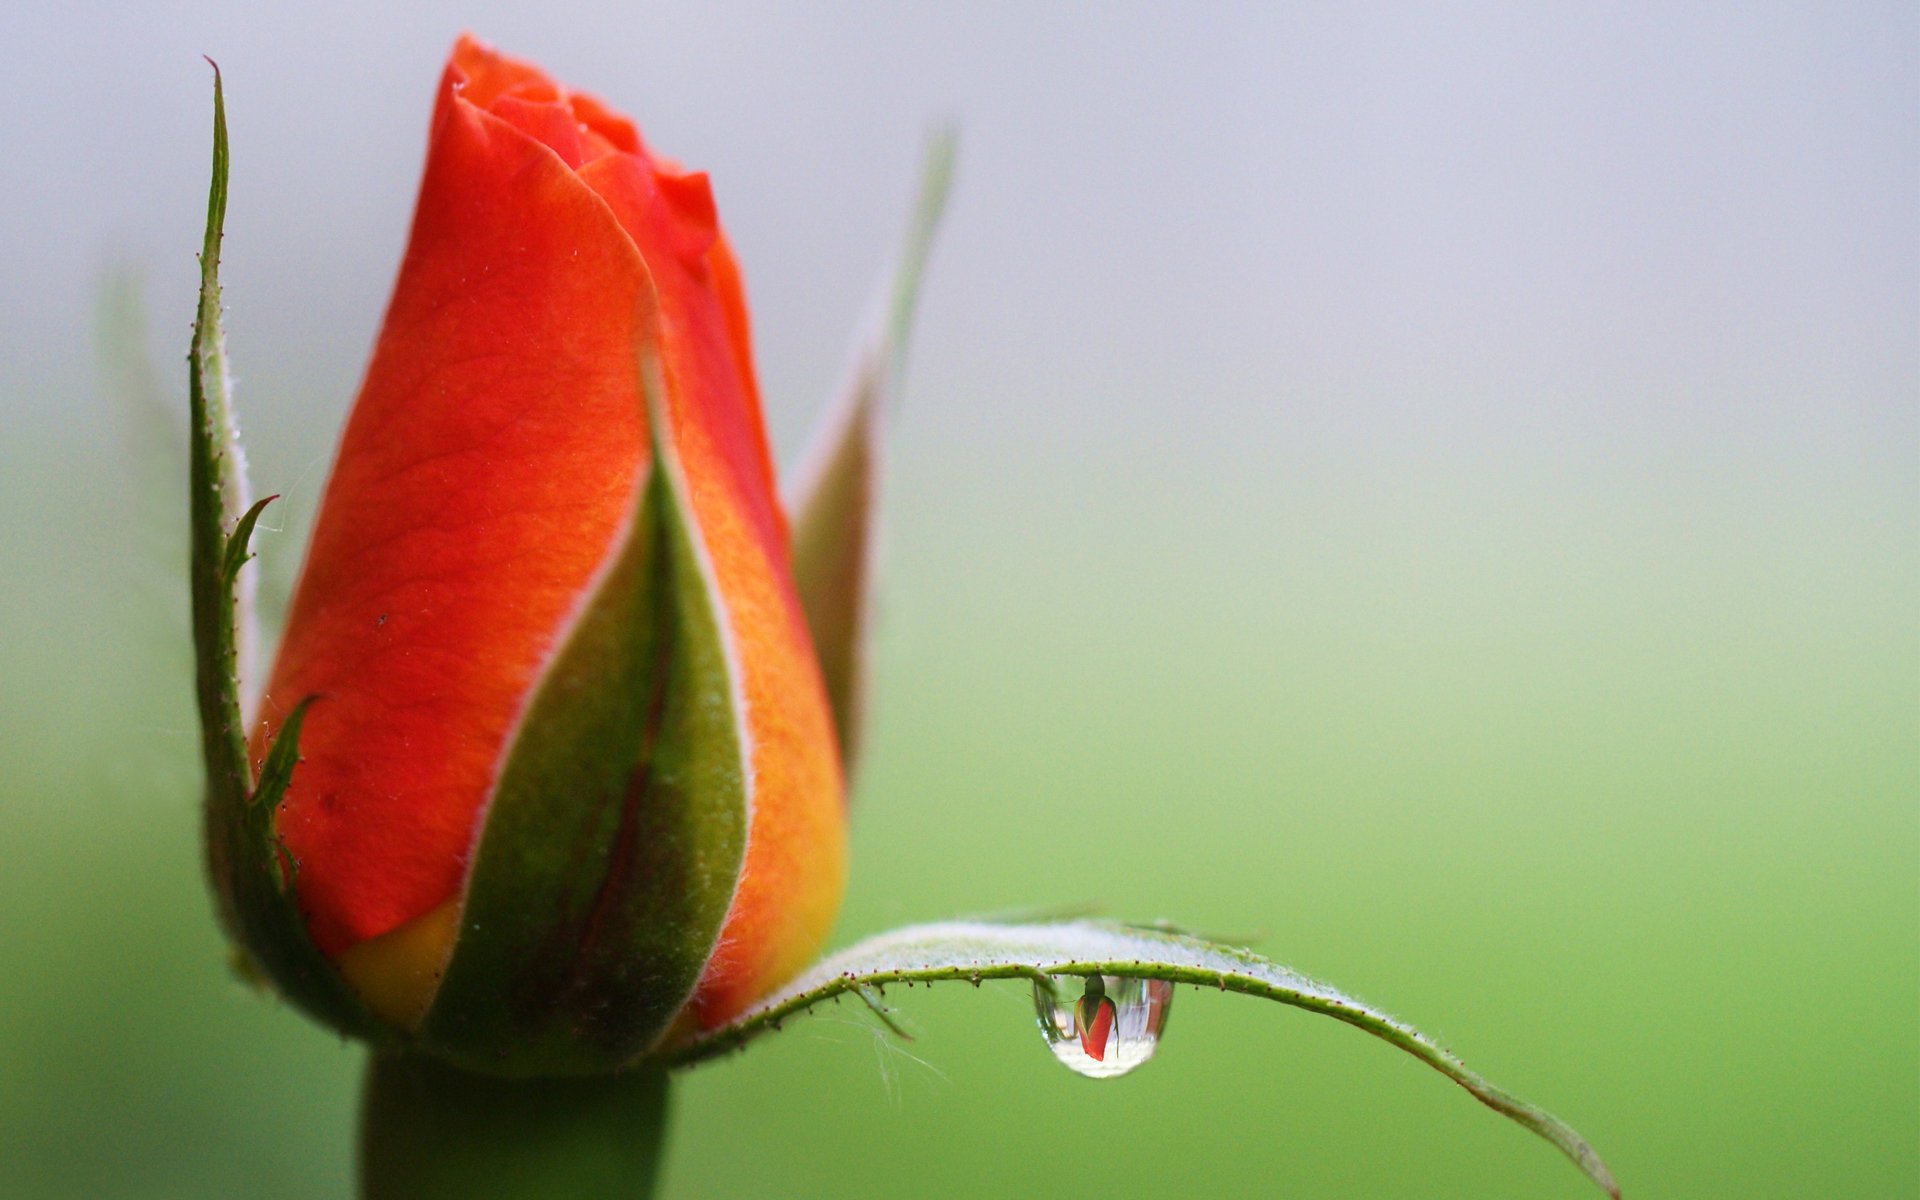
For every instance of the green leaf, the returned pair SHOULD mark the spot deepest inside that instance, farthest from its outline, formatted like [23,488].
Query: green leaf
[244,857]
[612,844]
[973,951]
[833,500]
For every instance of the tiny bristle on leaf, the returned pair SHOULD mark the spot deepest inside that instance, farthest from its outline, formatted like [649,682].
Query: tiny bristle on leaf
[1042,952]
[882,1012]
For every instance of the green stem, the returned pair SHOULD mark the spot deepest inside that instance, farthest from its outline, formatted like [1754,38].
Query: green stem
[433,1132]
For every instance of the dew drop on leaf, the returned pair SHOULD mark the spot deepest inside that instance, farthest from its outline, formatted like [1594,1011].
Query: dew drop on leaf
[1102,1026]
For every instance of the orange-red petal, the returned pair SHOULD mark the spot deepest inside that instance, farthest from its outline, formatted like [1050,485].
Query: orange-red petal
[485,467]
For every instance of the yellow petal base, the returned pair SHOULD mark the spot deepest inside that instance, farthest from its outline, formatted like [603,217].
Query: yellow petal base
[398,973]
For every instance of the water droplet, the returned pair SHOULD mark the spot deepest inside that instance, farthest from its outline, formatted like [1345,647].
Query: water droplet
[1101,1026]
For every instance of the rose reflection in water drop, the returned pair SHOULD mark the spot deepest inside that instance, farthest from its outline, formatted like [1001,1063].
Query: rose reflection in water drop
[1102,1026]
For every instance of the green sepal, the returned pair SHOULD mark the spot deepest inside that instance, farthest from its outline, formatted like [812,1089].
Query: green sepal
[216,487]
[611,847]
[276,772]
[833,500]
[237,555]
[973,951]
[244,858]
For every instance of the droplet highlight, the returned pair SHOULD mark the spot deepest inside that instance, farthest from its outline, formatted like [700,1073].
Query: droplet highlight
[1102,1026]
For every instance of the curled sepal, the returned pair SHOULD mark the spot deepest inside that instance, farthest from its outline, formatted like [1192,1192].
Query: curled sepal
[973,951]
[832,502]
[611,847]
[247,864]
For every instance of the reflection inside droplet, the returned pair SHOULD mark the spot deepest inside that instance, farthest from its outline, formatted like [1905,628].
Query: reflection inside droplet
[1101,1026]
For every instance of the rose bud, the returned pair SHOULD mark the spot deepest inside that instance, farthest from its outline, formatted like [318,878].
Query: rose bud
[567,776]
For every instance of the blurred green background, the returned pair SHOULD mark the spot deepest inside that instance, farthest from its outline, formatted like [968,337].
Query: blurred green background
[1436,489]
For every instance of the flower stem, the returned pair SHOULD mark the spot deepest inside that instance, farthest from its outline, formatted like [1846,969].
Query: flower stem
[433,1132]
